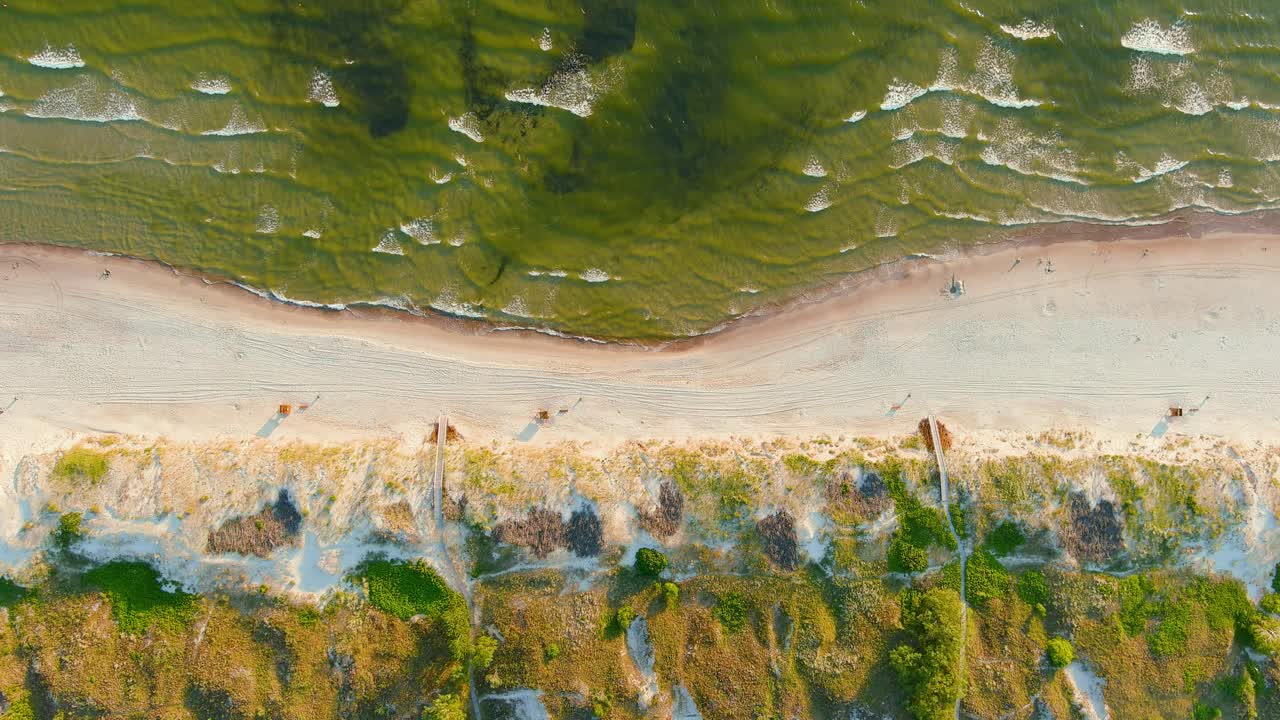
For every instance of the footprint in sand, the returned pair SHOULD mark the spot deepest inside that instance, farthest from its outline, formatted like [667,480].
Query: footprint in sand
[1050,308]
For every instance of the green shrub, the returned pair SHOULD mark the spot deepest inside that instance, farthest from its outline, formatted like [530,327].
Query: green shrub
[987,579]
[445,707]
[1033,588]
[139,599]
[928,665]
[1169,639]
[959,519]
[409,589]
[1264,634]
[650,562]
[1275,579]
[731,611]
[404,589]
[671,592]
[482,653]
[624,616]
[20,710]
[1225,601]
[906,557]
[69,530]
[550,652]
[1060,652]
[1205,712]
[1271,603]
[1005,538]
[308,616]
[81,464]
[10,592]
[1134,608]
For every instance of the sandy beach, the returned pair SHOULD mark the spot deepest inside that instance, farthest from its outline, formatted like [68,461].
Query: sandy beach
[1103,335]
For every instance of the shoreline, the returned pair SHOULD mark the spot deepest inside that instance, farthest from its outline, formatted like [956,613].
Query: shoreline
[1105,337]
[1191,224]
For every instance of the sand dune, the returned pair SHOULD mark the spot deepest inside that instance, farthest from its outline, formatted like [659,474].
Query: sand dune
[1097,335]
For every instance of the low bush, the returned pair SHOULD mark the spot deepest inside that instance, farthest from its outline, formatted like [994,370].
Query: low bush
[69,530]
[928,665]
[139,600]
[671,593]
[81,464]
[1033,588]
[731,611]
[10,592]
[987,579]
[906,557]
[623,617]
[445,707]
[409,589]
[1005,538]
[650,562]
[482,652]
[1060,652]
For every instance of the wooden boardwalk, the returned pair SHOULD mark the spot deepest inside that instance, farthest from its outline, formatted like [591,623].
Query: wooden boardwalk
[437,478]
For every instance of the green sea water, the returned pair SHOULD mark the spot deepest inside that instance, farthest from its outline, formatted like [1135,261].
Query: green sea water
[616,168]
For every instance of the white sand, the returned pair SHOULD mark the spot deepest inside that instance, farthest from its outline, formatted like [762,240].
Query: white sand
[1107,341]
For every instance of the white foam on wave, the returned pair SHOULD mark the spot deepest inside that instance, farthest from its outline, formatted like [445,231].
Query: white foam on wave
[956,115]
[321,90]
[88,101]
[574,89]
[212,84]
[886,226]
[594,275]
[313,233]
[1179,89]
[549,273]
[468,125]
[388,244]
[961,215]
[238,124]
[913,150]
[1150,36]
[57,58]
[268,221]
[447,302]
[1163,166]
[813,168]
[900,94]
[856,116]
[820,201]
[544,40]
[991,80]
[1030,29]
[517,307]
[1025,153]
[422,230]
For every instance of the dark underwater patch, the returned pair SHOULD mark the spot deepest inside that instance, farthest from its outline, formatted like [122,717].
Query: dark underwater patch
[376,85]
[609,28]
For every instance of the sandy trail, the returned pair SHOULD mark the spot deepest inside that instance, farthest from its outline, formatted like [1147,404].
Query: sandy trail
[1107,340]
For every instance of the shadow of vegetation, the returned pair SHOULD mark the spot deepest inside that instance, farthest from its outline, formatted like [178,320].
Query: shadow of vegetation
[375,83]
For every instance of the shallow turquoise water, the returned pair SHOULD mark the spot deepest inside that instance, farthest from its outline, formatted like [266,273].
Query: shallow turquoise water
[615,168]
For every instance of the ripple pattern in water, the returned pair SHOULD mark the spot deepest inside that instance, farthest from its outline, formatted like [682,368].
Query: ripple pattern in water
[615,168]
